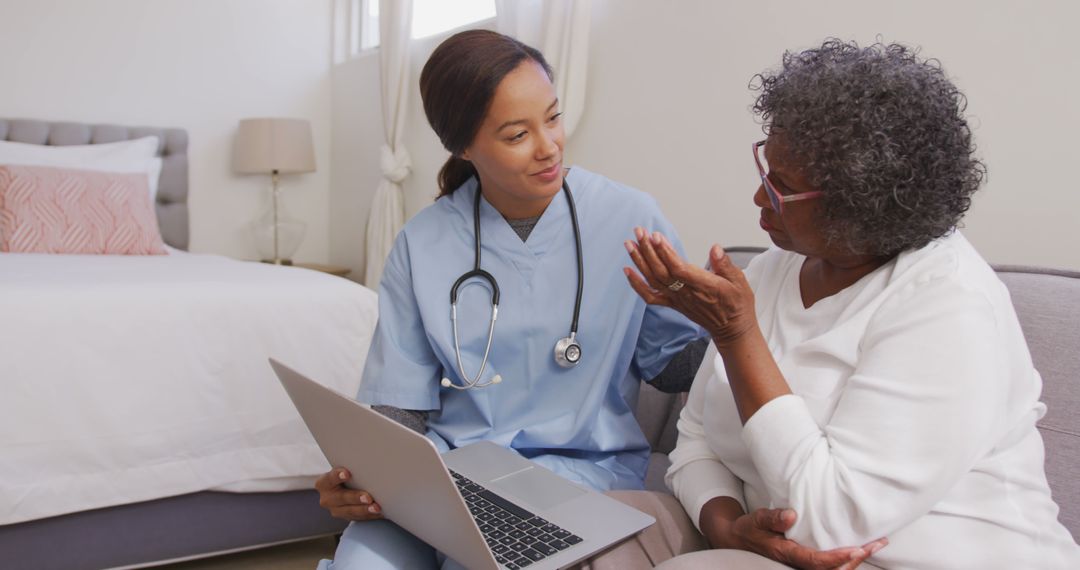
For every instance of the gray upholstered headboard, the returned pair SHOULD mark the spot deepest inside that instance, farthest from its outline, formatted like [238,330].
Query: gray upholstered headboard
[172,210]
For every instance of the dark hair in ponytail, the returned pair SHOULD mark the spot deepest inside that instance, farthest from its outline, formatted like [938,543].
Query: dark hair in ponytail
[454,172]
[457,85]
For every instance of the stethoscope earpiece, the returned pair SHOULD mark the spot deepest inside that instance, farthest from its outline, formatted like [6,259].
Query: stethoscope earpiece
[446,383]
[567,350]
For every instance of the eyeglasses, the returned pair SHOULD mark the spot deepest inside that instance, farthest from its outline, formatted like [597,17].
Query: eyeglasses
[775,197]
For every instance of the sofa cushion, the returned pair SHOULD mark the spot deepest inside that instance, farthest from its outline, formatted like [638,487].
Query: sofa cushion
[654,476]
[1048,305]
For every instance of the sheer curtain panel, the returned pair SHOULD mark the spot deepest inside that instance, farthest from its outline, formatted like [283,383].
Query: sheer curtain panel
[388,208]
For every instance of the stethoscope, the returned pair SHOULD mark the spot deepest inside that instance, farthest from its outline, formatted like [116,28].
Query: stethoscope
[567,350]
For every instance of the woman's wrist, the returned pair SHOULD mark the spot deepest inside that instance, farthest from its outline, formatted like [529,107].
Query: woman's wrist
[715,521]
[752,373]
[732,340]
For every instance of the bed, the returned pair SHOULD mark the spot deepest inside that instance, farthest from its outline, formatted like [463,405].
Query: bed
[140,422]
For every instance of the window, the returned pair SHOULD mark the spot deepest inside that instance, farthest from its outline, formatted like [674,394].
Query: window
[430,17]
[369,24]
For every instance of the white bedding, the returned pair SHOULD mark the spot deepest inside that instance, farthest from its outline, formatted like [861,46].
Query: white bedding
[129,378]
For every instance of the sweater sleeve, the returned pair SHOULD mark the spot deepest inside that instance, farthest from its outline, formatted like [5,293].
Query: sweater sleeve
[415,420]
[697,474]
[913,418]
[679,372]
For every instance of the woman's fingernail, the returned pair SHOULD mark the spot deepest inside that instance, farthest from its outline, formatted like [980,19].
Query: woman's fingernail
[873,549]
[341,475]
[373,509]
[656,238]
[365,500]
[857,554]
[629,246]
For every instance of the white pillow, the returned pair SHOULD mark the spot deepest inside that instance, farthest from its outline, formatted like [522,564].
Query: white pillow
[136,155]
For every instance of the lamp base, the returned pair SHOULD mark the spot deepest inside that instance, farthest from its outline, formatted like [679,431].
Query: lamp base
[289,233]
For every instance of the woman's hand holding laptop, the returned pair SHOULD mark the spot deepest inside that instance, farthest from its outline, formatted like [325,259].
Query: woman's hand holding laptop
[343,502]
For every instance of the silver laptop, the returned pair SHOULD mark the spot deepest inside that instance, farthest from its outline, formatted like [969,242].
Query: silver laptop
[482,505]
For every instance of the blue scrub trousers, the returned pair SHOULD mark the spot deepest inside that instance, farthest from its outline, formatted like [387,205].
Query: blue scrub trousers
[383,545]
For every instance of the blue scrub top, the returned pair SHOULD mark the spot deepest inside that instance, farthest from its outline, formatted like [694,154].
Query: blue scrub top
[578,421]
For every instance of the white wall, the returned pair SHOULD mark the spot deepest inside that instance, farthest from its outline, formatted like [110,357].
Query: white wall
[668,106]
[356,135]
[668,112]
[197,64]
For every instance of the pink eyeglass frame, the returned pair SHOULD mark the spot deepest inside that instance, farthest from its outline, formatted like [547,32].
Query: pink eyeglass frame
[775,197]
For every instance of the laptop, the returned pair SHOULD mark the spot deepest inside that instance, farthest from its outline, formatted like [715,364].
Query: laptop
[482,505]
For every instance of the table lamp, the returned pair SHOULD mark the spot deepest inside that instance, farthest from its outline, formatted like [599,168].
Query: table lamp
[275,146]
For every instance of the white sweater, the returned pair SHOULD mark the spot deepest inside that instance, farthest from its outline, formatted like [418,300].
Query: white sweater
[913,417]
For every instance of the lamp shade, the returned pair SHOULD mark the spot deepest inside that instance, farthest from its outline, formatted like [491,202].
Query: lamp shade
[268,145]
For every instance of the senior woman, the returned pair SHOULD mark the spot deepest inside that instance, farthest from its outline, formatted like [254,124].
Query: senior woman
[867,376]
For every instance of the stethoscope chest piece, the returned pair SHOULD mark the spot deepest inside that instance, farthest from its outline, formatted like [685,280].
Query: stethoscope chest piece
[567,352]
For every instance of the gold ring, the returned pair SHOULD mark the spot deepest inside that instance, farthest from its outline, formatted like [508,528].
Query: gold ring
[676,285]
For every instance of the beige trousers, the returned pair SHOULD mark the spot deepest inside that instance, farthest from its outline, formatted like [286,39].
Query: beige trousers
[673,543]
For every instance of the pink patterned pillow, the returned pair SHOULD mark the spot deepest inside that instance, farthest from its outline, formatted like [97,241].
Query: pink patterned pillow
[59,210]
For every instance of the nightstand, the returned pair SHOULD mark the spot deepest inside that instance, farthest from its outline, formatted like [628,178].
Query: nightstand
[331,269]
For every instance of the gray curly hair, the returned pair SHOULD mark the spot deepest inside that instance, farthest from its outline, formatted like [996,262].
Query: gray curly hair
[882,134]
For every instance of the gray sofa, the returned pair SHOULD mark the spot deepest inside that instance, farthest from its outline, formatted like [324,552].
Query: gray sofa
[1048,304]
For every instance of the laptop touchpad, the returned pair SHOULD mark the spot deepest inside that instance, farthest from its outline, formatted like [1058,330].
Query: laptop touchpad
[538,488]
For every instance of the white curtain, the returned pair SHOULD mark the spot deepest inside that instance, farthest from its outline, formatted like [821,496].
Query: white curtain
[560,30]
[388,209]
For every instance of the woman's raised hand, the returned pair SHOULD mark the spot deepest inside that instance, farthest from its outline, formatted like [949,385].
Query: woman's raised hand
[343,502]
[717,297]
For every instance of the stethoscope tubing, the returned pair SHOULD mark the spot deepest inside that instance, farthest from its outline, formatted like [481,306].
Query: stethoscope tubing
[475,382]
[477,272]
[580,263]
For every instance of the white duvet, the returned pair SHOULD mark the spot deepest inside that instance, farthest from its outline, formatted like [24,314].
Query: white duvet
[129,378]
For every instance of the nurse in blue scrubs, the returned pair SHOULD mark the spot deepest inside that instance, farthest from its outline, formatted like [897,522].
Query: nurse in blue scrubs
[491,101]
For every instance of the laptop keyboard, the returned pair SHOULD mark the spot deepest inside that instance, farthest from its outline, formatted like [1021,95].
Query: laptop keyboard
[517,537]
